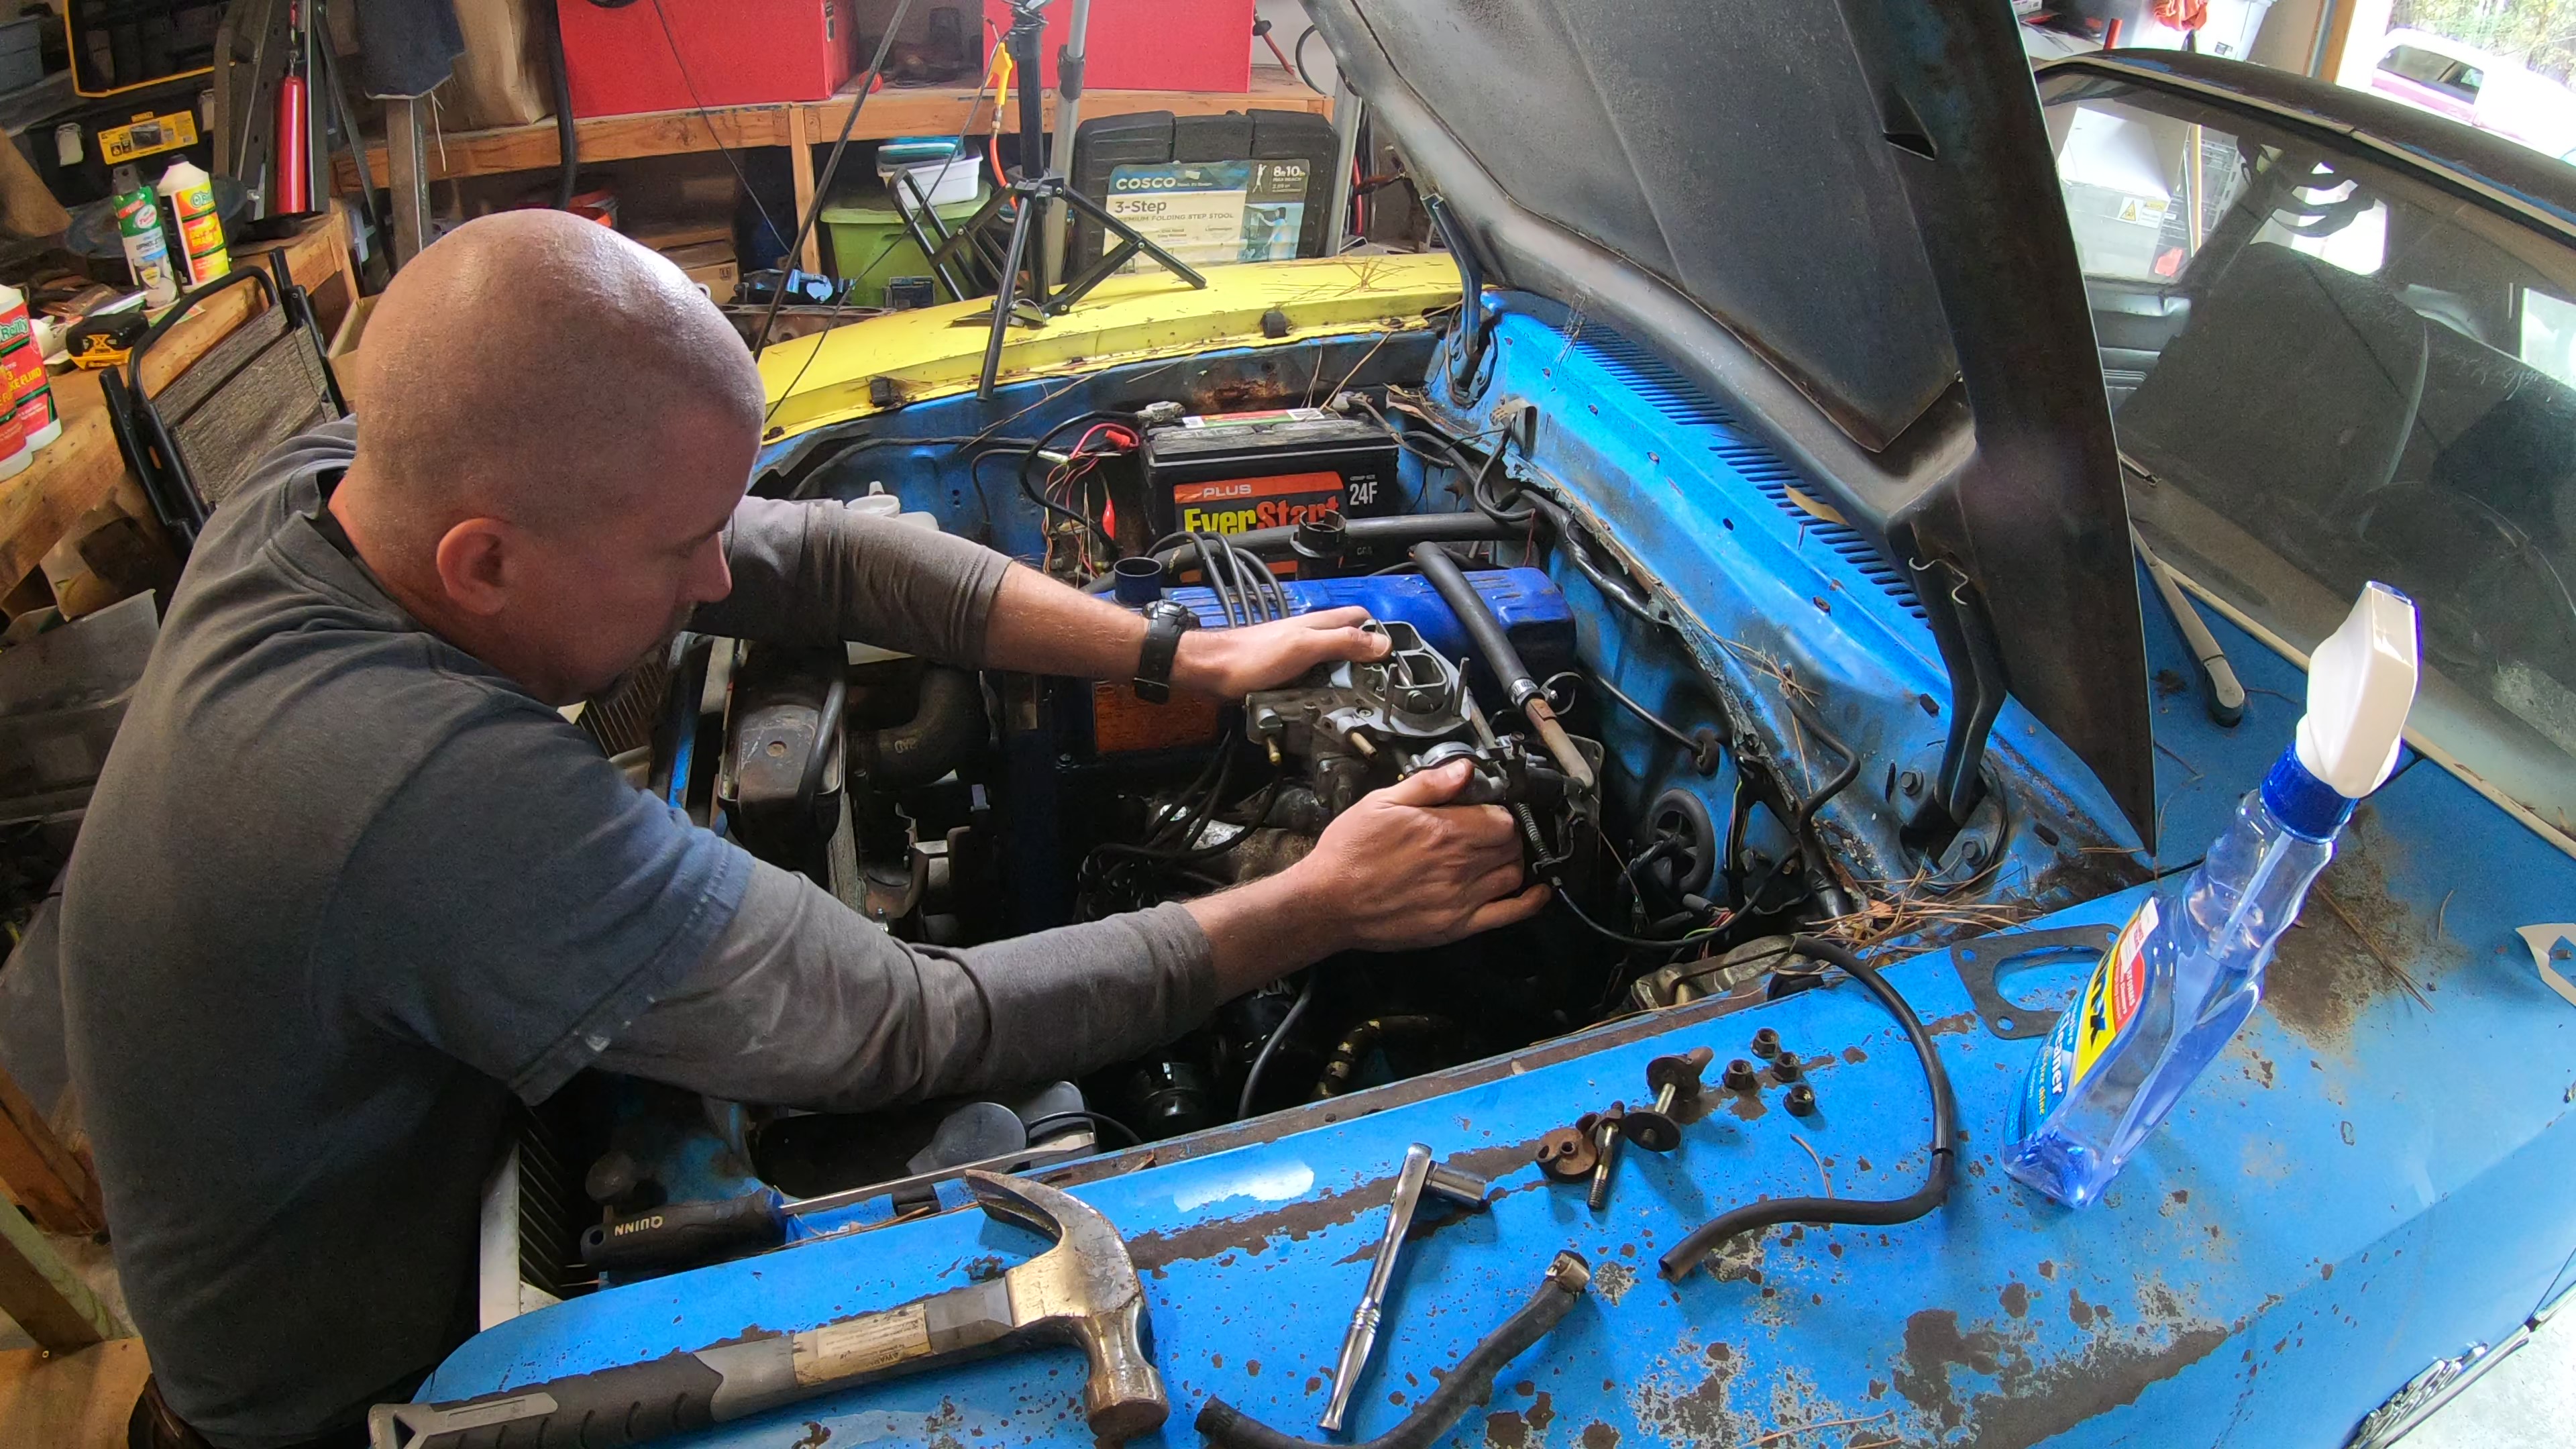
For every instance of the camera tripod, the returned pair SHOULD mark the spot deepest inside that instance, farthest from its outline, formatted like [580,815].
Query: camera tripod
[1030,196]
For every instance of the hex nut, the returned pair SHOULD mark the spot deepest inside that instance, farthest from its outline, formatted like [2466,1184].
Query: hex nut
[1801,1100]
[1766,1043]
[1784,1067]
[1740,1078]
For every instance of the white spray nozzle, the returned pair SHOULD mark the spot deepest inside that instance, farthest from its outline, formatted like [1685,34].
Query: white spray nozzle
[2361,682]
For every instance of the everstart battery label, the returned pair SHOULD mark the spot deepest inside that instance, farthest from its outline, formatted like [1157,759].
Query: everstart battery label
[1239,505]
[1210,212]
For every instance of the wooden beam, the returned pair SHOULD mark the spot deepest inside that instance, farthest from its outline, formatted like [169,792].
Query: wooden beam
[893,111]
[48,1299]
[52,1183]
[800,166]
[71,1400]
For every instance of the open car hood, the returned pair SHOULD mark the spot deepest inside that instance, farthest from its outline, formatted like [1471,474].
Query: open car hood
[1842,216]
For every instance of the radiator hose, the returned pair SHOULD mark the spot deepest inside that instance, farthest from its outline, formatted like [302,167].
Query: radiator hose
[945,728]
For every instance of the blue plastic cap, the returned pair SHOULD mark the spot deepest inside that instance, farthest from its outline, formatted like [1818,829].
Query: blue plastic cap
[1138,581]
[2304,804]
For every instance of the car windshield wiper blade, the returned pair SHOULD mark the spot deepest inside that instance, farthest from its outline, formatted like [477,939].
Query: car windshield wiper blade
[2219,690]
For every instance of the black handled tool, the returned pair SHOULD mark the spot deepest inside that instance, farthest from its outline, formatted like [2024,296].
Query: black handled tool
[687,1232]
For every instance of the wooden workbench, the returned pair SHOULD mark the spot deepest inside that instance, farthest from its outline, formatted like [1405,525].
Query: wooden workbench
[78,471]
[892,111]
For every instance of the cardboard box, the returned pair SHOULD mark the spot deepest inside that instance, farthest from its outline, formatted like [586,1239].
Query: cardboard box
[711,265]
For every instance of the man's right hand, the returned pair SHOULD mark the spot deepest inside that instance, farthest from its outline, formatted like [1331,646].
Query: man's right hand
[1400,870]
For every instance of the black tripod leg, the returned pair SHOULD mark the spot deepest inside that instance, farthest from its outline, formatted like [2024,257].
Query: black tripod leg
[1079,285]
[1100,214]
[1006,296]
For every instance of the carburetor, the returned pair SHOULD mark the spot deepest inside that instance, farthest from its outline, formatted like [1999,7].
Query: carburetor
[1361,726]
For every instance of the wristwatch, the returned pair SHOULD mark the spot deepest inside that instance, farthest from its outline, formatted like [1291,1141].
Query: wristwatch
[1165,622]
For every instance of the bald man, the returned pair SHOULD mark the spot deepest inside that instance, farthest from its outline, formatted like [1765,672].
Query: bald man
[350,884]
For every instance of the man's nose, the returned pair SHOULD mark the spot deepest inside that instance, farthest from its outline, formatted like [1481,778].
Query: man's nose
[713,578]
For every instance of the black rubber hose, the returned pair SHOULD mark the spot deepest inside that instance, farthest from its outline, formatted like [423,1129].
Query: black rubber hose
[945,728]
[567,135]
[1477,618]
[1270,1048]
[1869,1212]
[1462,1387]
[827,723]
[1406,529]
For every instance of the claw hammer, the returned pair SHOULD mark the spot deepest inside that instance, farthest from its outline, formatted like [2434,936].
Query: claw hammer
[1082,1291]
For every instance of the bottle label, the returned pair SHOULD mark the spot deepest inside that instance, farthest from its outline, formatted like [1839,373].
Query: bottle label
[2087,1030]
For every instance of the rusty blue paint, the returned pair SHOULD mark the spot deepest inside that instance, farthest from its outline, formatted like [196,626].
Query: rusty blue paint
[2363,1182]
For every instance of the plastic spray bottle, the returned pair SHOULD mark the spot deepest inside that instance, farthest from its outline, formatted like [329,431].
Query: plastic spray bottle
[188,197]
[2188,968]
[24,364]
[138,224]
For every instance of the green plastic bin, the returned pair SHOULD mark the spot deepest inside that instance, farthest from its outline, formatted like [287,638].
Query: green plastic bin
[869,246]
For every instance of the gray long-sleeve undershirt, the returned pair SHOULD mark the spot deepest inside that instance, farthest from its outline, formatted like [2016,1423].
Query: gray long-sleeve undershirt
[801,1001]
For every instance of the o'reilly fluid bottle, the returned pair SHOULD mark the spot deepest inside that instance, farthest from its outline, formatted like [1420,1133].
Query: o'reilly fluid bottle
[2188,968]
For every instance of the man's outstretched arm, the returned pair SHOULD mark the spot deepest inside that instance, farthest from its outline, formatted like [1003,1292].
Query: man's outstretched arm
[813,573]
[802,1002]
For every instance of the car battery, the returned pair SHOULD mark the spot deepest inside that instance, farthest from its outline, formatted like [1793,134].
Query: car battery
[1235,472]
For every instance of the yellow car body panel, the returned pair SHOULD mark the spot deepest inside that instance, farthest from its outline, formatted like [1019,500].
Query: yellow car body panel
[815,382]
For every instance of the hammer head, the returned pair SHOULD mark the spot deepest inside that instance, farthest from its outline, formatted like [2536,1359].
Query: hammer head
[1082,1291]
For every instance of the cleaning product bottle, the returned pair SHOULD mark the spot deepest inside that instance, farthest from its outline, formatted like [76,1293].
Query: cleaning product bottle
[15,455]
[23,362]
[138,224]
[2188,968]
[188,199]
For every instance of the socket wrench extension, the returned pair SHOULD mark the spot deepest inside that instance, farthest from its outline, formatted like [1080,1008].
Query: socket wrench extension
[1417,1177]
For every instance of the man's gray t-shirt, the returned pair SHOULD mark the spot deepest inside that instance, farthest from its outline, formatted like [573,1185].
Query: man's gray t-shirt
[344,890]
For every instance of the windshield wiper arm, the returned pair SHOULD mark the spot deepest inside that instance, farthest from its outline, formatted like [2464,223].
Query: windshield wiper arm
[2219,690]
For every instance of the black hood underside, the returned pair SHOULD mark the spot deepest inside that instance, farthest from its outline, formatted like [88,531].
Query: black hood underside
[1842,216]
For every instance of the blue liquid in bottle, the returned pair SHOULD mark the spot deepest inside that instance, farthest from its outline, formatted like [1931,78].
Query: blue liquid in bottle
[2187,969]
[2185,973]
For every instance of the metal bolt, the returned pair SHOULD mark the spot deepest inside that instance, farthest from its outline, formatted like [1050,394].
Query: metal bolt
[1766,1043]
[1973,851]
[1606,1142]
[1739,1077]
[1801,1100]
[1910,783]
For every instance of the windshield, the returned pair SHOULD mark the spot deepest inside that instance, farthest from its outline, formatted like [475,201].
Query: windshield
[2323,371]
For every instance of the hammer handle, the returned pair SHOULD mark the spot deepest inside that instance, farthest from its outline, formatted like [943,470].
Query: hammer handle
[681,1392]
[670,1395]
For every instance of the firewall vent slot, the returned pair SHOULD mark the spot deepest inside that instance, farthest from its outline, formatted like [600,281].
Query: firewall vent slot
[1662,387]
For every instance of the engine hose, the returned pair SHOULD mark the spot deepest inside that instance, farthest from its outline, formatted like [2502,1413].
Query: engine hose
[1406,529]
[1343,1063]
[1486,632]
[827,723]
[1869,1212]
[1463,1386]
[1270,1045]
[944,729]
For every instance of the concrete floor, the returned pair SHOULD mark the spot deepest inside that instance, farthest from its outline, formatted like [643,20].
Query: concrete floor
[2529,1399]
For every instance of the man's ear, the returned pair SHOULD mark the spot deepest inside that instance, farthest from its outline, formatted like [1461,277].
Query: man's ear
[476,563]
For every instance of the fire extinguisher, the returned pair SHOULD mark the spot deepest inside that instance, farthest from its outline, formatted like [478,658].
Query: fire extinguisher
[294,174]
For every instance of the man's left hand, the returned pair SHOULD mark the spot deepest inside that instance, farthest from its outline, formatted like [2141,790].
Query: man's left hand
[1231,663]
